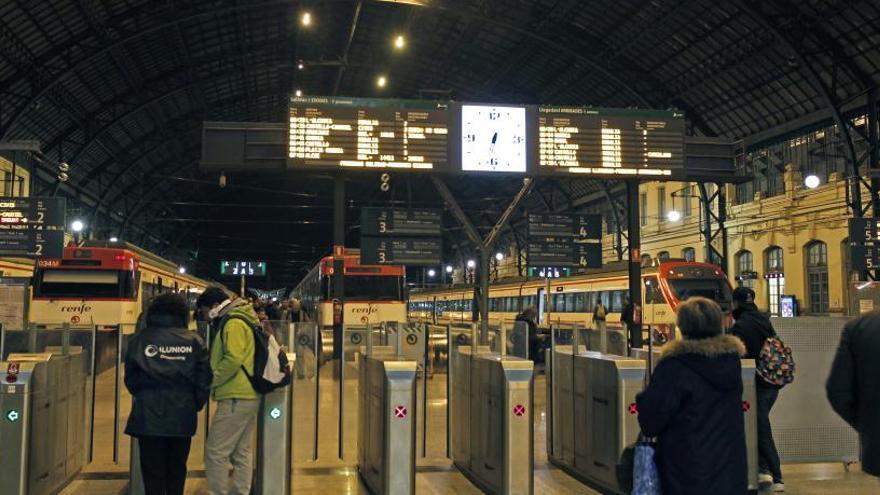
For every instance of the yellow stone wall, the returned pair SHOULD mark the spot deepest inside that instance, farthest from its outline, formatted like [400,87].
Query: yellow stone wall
[791,221]
[22,185]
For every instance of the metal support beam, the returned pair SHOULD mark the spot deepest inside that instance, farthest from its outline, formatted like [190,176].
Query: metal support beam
[635,261]
[481,289]
[874,151]
[709,203]
[352,30]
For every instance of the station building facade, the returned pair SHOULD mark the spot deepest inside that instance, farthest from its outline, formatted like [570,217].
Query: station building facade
[783,238]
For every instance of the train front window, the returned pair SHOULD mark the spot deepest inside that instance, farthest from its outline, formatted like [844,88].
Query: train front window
[85,284]
[382,288]
[711,288]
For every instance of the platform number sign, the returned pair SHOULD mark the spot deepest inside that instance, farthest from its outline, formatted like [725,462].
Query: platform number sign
[864,242]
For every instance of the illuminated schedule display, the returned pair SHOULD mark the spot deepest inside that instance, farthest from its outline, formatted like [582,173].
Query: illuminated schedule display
[596,141]
[363,133]
[32,227]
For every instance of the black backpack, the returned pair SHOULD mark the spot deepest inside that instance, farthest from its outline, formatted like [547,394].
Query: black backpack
[263,343]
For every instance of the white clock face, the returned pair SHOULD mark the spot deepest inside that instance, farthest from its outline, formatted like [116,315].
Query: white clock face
[493,139]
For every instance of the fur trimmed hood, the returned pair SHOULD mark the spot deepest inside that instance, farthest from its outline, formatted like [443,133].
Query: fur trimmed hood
[711,347]
[716,359]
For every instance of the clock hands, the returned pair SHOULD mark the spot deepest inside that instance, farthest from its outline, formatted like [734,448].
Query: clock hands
[494,139]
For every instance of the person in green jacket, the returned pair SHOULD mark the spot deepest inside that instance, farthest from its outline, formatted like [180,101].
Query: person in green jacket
[232,355]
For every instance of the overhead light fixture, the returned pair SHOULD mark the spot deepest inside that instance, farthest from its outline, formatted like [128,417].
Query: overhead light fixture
[399,42]
[432,272]
[471,263]
[812,181]
[114,239]
[300,66]
[381,81]
[499,256]
[448,268]
[182,270]
[673,216]
[77,226]
[306,19]
[299,93]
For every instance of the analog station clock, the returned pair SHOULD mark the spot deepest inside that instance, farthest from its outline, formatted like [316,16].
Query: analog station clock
[493,138]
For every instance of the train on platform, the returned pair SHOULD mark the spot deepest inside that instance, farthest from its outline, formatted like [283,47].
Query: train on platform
[104,283]
[373,293]
[571,300]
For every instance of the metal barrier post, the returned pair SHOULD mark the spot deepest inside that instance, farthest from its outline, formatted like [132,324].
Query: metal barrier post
[426,337]
[450,348]
[369,339]
[502,337]
[341,422]
[315,347]
[551,388]
[93,366]
[575,339]
[65,338]
[116,395]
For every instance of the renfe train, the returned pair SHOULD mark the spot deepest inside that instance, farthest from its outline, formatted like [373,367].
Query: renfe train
[373,293]
[572,299]
[104,283]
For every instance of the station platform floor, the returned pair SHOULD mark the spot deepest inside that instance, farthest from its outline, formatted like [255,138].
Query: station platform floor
[435,473]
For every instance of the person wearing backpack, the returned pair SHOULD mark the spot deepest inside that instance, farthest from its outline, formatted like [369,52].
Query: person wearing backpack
[230,437]
[599,314]
[753,328]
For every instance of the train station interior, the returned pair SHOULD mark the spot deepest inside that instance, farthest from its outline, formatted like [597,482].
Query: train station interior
[439,247]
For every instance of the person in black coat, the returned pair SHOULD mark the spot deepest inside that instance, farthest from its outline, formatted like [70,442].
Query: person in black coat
[168,372]
[693,406]
[753,327]
[853,386]
[529,316]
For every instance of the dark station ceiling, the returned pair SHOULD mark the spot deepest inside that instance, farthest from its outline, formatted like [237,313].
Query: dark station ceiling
[119,90]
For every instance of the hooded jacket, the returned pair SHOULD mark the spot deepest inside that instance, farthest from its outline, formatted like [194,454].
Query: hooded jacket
[693,405]
[168,374]
[854,385]
[232,347]
[753,327]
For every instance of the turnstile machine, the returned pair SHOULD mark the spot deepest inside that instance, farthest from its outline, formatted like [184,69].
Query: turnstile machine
[387,425]
[42,428]
[492,419]
[593,416]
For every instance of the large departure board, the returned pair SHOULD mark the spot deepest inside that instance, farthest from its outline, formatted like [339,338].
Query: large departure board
[367,134]
[595,141]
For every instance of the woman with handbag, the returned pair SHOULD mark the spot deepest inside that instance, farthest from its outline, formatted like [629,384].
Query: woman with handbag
[693,406]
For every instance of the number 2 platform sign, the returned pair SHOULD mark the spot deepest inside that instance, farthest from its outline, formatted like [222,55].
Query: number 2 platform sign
[32,227]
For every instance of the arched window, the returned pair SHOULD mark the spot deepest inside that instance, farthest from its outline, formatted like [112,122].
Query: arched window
[689,254]
[817,276]
[745,269]
[663,256]
[773,272]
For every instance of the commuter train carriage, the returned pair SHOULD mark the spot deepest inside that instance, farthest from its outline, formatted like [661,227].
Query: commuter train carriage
[104,283]
[572,299]
[16,267]
[373,293]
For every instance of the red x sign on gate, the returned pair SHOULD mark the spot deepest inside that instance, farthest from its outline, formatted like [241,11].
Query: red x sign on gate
[746,406]
[400,412]
[519,410]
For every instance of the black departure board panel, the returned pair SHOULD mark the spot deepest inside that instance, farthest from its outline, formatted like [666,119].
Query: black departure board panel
[562,252]
[864,240]
[391,221]
[367,134]
[401,251]
[595,141]
[564,240]
[32,226]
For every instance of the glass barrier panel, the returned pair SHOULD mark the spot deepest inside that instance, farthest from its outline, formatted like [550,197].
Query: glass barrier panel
[307,345]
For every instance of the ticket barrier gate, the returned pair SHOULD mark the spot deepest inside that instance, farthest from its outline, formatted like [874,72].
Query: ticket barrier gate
[492,419]
[274,455]
[593,416]
[387,425]
[43,426]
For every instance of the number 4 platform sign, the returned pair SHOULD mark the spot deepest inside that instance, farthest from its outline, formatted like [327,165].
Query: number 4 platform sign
[32,227]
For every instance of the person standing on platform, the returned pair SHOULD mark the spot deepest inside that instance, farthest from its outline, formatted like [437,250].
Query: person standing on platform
[853,386]
[753,328]
[693,406]
[529,316]
[230,438]
[168,373]
[627,319]
[599,315]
